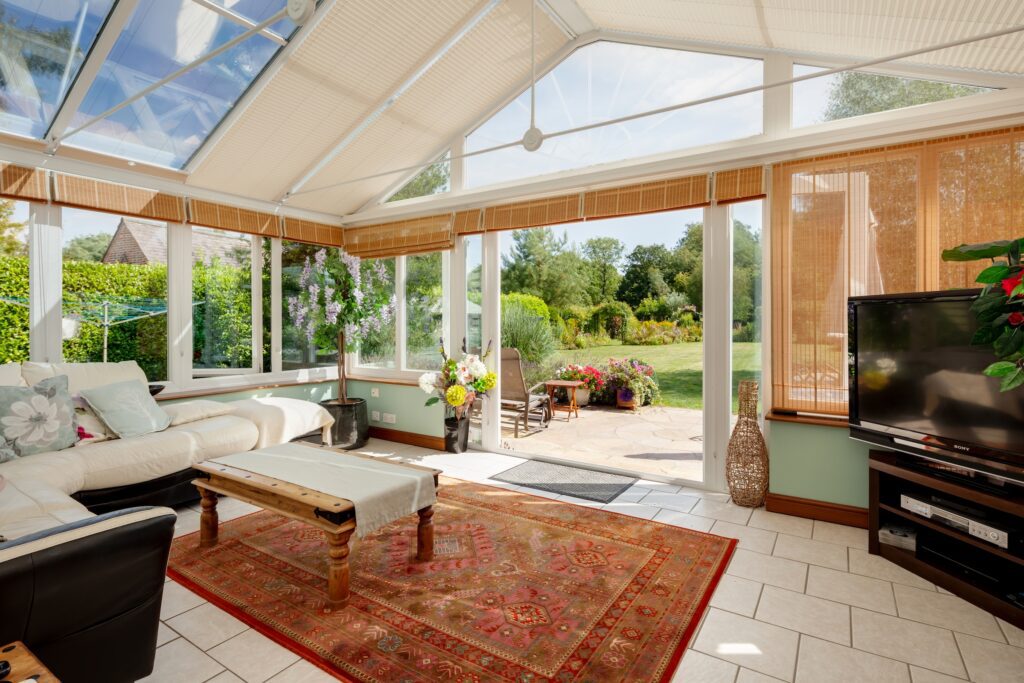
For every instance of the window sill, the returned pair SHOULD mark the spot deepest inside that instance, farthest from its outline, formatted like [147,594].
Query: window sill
[213,386]
[818,420]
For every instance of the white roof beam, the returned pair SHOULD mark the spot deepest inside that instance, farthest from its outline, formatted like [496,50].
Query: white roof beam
[568,16]
[244,22]
[101,47]
[479,12]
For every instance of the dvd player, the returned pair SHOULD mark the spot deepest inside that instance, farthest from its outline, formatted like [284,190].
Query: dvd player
[986,532]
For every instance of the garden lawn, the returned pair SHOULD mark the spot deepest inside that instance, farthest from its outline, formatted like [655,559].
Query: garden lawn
[679,368]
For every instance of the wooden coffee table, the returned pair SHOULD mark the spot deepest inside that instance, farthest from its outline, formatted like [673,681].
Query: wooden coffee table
[24,666]
[335,515]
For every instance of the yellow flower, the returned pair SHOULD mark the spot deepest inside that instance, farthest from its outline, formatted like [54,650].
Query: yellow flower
[456,395]
[488,381]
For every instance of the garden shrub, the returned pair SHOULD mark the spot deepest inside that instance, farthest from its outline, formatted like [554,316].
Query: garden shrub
[523,329]
[14,318]
[653,308]
[612,318]
[532,303]
[651,333]
[692,329]
[746,333]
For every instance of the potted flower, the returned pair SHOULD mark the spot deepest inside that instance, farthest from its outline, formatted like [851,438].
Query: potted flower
[592,378]
[337,304]
[457,385]
[632,383]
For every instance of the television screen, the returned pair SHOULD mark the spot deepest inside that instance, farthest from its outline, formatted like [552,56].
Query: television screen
[917,371]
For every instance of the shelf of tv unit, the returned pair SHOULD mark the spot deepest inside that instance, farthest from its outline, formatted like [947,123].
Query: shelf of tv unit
[889,469]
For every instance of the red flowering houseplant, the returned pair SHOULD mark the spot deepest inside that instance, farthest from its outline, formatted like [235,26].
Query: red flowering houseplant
[592,378]
[1000,307]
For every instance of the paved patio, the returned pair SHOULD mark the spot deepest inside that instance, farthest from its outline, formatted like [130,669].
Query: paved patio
[656,440]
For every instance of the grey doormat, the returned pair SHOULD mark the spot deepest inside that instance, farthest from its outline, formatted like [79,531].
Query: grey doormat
[600,487]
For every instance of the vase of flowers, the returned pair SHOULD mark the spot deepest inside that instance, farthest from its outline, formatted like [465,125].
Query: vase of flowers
[457,385]
[1000,306]
[338,302]
[592,378]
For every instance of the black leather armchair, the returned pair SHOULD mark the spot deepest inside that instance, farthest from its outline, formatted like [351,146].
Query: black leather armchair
[85,597]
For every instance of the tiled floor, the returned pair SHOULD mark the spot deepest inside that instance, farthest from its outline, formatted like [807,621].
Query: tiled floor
[801,601]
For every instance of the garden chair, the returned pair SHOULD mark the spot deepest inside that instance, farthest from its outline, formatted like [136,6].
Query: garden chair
[516,398]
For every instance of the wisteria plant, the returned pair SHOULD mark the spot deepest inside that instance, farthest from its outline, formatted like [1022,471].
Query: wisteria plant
[1000,307]
[340,302]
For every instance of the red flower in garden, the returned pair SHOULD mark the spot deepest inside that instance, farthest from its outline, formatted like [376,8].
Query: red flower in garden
[1016,319]
[1010,283]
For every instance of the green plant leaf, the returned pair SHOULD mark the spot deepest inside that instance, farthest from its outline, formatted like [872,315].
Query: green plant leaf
[1009,343]
[993,274]
[1012,380]
[1017,291]
[1000,369]
[431,401]
[985,335]
[975,252]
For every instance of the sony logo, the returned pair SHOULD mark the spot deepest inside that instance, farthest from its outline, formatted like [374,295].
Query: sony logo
[961,448]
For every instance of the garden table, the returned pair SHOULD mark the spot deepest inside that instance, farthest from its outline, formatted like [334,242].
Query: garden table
[570,386]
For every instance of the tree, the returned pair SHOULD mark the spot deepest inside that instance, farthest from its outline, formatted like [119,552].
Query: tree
[87,248]
[746,273]
[689,253]
[11,243]
[604,254]
[646,269]
[856,93]
[431,180]
[541,264]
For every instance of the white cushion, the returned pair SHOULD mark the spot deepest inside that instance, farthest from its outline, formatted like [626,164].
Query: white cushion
[63,470]
[190,411]
[282,419]
[217,436]
[84,375]
[29,505]
[129,461]
[10,375]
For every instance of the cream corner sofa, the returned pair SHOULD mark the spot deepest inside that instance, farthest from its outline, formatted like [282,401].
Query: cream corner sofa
[46,490]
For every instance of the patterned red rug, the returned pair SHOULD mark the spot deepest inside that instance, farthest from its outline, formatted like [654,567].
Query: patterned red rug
[522,589]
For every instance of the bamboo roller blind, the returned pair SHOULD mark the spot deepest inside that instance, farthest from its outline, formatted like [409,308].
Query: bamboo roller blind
[533,213]
[661,195]
[225,217]
[98,195]
[19,182]
[300,230]
[739,185]
[414,236]
[875,221]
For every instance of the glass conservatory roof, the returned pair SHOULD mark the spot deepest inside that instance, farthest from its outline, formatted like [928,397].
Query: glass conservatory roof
[45,44]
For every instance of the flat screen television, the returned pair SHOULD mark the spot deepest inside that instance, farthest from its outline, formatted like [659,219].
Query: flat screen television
[916,383]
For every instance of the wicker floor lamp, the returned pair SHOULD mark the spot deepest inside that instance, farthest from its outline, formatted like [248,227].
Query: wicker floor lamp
[746,463]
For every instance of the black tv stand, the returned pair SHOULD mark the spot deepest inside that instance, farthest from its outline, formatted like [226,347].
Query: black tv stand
[980,572]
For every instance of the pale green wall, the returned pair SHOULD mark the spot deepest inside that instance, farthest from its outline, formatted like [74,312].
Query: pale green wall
[820,463]
[405,402]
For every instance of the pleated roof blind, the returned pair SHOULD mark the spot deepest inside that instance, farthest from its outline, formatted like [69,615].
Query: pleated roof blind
[20,182]
[224,217]
[311,232]
[414,236]
[125,200]
[740,185]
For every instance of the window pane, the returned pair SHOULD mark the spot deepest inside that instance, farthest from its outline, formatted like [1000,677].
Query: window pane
[606,80]
[42,47]
[747,308]
[221,302]
[434,179]
[474,293]
[167,126]
[854,93]
[296,349]
[377,347]
[424,320]
[115,290]
[13,281]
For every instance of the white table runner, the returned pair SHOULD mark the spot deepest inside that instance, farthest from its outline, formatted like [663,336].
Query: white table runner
[382,492]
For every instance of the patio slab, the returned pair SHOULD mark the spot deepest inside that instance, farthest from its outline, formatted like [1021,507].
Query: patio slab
[655,440]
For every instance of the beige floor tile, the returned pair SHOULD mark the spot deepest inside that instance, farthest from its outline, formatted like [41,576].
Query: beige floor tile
[907,641]
[991,662]
[634,494]
[814,616]
[752,644]
[1014,635]
[786,524]
[697,666]
[685,520]
[851,589]
[632,509]
[947,611]
[775,571]
[810,551]
[734,594]
[253,656]
[748,676]
[583,502]
[839,533]
[727,512]
[207,626]
[758,540]
[658,486]
[179,661]
[177,599]
[225,677]
[822,661]
[670,501]
[919,675]
[880,568]
[303,672]
[164,634]
[188,522]
[704,493]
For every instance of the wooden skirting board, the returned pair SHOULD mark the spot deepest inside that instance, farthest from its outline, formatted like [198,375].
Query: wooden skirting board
[817,509]
[422,440]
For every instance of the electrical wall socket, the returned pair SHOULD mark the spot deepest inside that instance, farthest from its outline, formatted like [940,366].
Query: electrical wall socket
[375,392]
[390,418]
[375,415]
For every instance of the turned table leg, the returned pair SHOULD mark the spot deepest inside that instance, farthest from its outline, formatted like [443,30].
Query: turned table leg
[425,534]
[208,519]
[338,569]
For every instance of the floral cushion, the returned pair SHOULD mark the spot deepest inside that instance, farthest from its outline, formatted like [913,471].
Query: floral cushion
[127,408]
[90,427]
[36,419]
